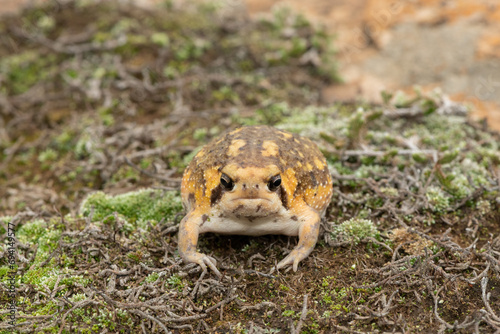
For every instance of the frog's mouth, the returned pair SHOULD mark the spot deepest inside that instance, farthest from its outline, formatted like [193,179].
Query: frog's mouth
[250,199]
[251,207]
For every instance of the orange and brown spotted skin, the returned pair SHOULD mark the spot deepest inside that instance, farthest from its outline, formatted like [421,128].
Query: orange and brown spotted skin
[250,158]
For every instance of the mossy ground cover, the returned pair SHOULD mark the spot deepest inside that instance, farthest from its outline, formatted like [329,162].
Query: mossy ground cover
[102,107]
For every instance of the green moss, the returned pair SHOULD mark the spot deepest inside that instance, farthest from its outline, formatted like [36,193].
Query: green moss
[355,229]
[200,134]
[336,299]
[151,278]
[438,200]
[137,207]
[48,308]
[64,141]
[4,220]
[78,297]
[288,313]
[45,234]
[47,157]
[175,282]
[225,93]
[126,173]
[26,69]
[48,276]
[84,146]
[105,319]
[160,38]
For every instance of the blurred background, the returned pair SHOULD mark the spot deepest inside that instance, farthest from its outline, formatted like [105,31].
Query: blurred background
[396,44]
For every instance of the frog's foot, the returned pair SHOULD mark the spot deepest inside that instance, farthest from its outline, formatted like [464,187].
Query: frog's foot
[204,261]
[296,255]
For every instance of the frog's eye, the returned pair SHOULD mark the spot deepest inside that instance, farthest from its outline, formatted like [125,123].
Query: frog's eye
[274,183]
[226,182]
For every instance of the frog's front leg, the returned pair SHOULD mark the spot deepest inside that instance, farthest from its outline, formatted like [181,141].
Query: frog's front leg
[189,231]
[308,236]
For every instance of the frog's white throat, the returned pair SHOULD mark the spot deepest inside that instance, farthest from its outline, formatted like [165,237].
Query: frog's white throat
[277,221]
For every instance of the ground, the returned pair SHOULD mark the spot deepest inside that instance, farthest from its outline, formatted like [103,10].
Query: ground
[101,99]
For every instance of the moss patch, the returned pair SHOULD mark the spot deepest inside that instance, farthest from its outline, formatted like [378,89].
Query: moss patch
[137,207]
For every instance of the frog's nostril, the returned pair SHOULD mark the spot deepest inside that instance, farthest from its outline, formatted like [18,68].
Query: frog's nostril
[256,186]
[244,186]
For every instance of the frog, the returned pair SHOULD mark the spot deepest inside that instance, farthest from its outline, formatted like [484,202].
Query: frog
[254,181]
